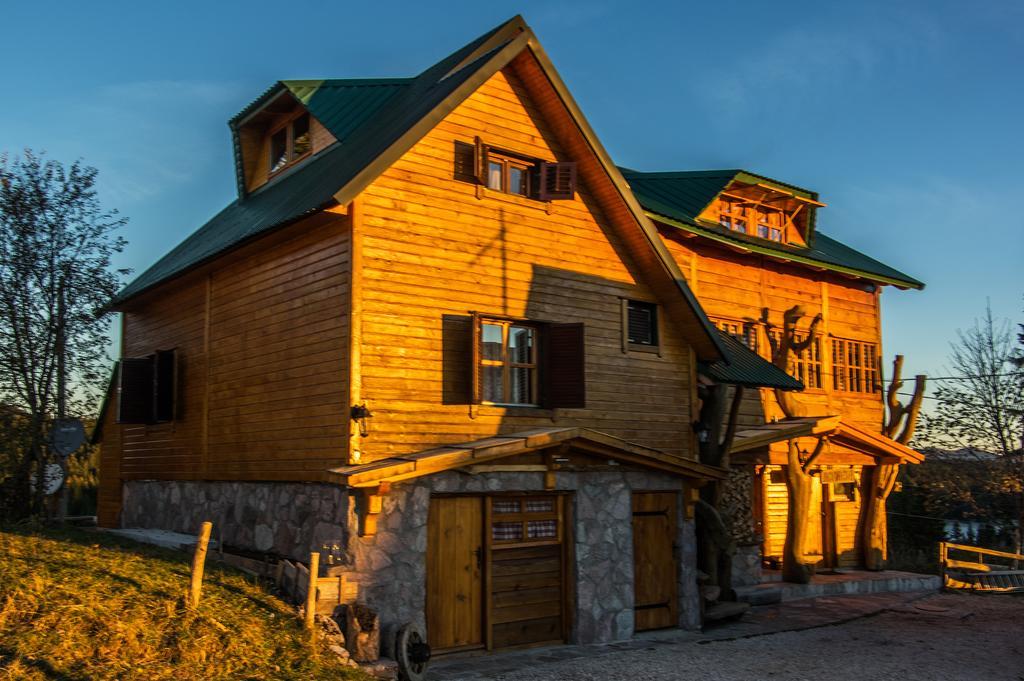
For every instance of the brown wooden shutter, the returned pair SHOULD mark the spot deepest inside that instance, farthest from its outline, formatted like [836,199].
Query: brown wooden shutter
[557,181]
[475,396]
[464,162]
[480,161]
[564,367]
[165,381]
[135,390]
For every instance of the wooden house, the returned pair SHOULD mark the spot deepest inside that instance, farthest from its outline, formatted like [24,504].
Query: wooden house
[750,249]
[437,339]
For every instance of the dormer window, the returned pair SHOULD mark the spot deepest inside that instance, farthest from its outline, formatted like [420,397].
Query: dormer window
[290,143]
[765,211]
[732,216]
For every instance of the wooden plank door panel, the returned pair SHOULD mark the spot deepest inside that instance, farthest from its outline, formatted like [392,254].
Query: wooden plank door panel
[815,528]
[454,576]
[655,566]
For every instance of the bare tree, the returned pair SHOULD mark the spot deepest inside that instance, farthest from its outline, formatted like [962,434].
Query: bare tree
[983,409]
[56,245]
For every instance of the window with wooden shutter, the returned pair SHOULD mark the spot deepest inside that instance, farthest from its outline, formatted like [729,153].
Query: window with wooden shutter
[565,367]
[165,379]
[147,388]
[480,161]
[464,167]
[557,181]
[135,390]
[510,172]
[641,322]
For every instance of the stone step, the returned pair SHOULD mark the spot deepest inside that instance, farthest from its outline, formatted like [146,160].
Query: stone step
[762,594]
[724,612]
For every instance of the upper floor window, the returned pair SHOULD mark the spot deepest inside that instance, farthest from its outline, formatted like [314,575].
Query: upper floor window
[641,324]
[764,222]
[855,366]
[806,365]
[744,332]
[733,216]
[290,143]
[509,174]
[506,171]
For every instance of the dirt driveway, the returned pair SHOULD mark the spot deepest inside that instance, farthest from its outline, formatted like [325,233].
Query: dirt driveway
[939,637]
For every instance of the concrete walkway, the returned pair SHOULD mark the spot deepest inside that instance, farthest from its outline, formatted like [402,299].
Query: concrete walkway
[759,621]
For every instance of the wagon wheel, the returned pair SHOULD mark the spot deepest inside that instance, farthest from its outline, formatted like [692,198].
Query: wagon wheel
[412,653]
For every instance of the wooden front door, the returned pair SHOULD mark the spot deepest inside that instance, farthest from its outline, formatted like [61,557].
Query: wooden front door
[816,525]
[655,568]
[455,603]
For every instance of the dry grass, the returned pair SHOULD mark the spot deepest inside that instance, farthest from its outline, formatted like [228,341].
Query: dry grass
[78,605]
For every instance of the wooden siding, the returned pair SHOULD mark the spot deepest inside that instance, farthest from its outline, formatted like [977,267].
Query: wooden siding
[263,379]
[738,286]
[433,250]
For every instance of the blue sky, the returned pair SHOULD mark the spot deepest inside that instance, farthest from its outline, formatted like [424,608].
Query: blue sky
[904,116]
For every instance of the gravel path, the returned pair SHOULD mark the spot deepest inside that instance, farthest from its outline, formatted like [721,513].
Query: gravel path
[942,637]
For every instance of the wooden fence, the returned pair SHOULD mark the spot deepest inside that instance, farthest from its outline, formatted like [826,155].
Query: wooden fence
[982,573]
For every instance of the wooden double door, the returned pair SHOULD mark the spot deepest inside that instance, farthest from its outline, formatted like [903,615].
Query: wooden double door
[656,564]
[496,571]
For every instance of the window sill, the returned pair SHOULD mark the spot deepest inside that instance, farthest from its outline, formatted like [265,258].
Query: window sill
[650,349]
[492,409]
[483,192]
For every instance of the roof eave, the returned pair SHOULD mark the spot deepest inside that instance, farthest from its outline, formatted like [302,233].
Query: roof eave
[780,255]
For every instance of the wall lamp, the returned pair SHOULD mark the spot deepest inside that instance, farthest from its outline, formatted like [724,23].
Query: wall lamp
[361,415]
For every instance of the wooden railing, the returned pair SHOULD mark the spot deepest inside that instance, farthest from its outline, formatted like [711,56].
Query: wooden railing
[981,574]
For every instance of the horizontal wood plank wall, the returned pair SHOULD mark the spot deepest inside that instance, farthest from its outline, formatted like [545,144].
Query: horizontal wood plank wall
[432,249]
[844,517]
[847,537]
[108,503]
[737,286]
[270,399]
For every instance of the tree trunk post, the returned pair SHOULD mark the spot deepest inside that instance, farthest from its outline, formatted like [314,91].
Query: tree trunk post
[879,483]
[798,484]
[199,564]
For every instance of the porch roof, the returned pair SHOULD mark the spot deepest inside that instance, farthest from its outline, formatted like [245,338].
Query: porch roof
[875,445]
[448,457]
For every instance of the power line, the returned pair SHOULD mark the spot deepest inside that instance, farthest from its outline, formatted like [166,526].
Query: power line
[960,378]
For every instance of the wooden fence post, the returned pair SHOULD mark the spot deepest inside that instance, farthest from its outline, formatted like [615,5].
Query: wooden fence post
[943,553]
[314,574]
[199,563]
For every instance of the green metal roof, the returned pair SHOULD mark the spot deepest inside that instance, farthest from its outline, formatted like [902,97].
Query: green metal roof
[677,198]
[366,116]
[746,368]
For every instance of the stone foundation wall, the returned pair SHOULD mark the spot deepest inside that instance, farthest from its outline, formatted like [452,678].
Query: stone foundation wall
[746,565]
[390,567]
[285,518]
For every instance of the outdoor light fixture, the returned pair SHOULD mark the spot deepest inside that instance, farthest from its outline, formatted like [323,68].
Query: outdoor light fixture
[361,415]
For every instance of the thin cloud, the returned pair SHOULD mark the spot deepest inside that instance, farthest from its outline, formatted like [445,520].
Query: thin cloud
[796,67]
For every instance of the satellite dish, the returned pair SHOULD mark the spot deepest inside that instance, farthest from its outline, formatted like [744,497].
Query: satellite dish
[66,436]
[53,478]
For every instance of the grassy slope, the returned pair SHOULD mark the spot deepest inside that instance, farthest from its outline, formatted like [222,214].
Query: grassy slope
[84,605]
